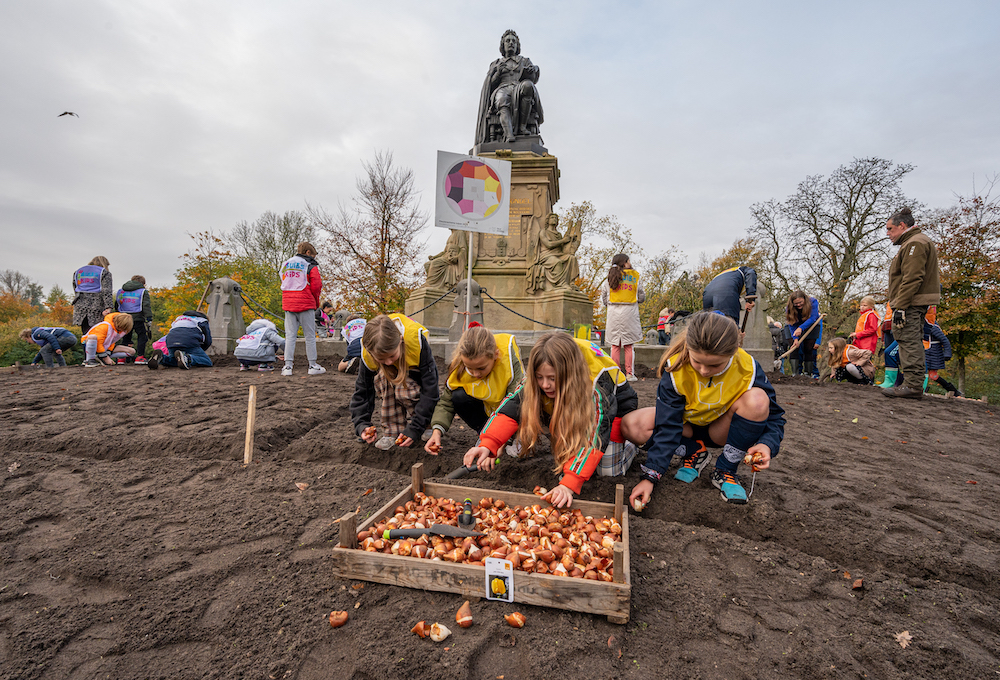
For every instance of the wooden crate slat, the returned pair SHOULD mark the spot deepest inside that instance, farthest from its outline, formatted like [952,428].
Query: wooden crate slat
[595,597]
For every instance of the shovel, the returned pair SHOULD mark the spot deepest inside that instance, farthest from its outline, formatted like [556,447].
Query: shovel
[462,471]
[439,529]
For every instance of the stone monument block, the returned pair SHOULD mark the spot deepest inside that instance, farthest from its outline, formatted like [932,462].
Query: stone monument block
[757,338]
[225,315]
[458,323]
[652,337]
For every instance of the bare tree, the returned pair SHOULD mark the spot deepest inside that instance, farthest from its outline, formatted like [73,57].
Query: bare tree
[15,283]
[372,250]
[270,239]
[829,237]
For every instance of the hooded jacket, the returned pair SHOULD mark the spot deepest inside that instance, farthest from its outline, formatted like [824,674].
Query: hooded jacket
[307,298]
[147,308]
[184,336]
[250,348]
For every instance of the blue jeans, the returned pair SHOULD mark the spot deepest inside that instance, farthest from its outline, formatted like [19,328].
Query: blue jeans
[196,356]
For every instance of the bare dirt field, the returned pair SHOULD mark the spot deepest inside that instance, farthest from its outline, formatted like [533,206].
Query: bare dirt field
[136,545]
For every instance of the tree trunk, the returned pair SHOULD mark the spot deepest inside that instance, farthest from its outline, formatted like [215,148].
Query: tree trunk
[960,374]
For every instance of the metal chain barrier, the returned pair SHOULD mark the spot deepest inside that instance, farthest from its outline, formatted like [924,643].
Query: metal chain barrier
[446,293]
[261,309]
[541,323]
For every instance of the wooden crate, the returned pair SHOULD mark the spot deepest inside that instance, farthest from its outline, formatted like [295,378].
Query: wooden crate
[562,592]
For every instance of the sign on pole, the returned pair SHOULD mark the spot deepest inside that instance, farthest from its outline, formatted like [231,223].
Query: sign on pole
[472,193]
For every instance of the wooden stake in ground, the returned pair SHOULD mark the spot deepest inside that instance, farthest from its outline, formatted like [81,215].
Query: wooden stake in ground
[251,418]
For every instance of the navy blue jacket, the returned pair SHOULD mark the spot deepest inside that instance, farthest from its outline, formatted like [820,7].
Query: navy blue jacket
[188,338]
[669,422]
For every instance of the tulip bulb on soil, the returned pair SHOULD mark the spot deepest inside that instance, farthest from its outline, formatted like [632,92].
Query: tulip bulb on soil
[439,632]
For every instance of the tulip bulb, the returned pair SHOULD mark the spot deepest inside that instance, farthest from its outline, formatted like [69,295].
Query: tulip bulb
[464,616]
[516,619]
[338,619]
[439,632]
[420,629]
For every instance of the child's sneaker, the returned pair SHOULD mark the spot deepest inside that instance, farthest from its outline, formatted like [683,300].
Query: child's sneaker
[121,361]
[631,377]
[181,359]
[730,486]
[385,443]
[692,464]
[91,363]
[264,368]
[154,359]
[244,367]
[316,369]
[287,370]
[140,361]
[352,365]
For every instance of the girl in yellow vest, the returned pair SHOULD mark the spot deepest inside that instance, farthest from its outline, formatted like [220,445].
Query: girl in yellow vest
[621,293]
[712,394]
[577,392]
[398,366]
[485,369]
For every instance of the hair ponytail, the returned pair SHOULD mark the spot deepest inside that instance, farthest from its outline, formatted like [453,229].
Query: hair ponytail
[615,273]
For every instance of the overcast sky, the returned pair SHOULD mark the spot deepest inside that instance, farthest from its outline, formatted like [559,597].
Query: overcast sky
[674,116]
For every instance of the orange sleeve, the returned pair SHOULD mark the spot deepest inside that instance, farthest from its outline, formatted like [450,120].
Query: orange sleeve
[578,470]
[499,430]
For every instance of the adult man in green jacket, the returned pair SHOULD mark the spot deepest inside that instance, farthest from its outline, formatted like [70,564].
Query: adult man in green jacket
[914,285]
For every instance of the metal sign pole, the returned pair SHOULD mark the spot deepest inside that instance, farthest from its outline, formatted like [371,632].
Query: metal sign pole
[468,283]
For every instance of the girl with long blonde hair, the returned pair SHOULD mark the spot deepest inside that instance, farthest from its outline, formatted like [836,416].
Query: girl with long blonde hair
[486,369]
[398,366]
[581,396]
[712,394]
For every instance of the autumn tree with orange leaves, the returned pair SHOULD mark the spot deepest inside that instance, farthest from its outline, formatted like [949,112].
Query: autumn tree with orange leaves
[967,236]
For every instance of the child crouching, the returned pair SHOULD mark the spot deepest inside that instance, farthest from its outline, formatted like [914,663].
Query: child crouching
[850,363]
[100,342]
[258,346]
[712,394]
[187,340]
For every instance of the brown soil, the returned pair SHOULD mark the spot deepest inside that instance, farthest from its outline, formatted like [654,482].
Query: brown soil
[135,545]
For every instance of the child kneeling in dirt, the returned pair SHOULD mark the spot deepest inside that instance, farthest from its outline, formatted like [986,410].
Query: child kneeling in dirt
[397,365]
[849,363]
[187,340]
[583,398]
[486,368]
[711,394]
[352,331]
[100,342]
[258,346]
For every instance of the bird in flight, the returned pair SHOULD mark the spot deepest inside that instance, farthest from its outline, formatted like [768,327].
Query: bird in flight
[66,113]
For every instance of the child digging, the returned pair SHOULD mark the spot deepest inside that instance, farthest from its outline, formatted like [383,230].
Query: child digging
[849,362]
[712,394]
[257,348]
[485,369]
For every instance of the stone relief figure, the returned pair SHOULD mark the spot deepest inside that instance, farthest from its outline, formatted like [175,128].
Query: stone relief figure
[509,105]
[446,268]
[552,259]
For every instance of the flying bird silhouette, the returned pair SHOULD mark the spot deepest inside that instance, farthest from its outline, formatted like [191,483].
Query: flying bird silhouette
[66,113]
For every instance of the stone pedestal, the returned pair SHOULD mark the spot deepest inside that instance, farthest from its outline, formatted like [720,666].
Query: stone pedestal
[757,341]
[225,315]
[501,263]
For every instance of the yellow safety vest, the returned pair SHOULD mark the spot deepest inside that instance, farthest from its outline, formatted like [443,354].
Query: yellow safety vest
[706,399]
[411,331]
[492,389]
[599,363]
[628,292]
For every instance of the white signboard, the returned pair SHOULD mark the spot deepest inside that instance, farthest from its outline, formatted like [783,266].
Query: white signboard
[472,193]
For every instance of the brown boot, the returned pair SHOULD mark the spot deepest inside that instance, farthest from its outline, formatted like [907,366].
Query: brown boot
[903,392]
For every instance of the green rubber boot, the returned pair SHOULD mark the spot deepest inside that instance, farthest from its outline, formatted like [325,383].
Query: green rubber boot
[927,378]
[890,378]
